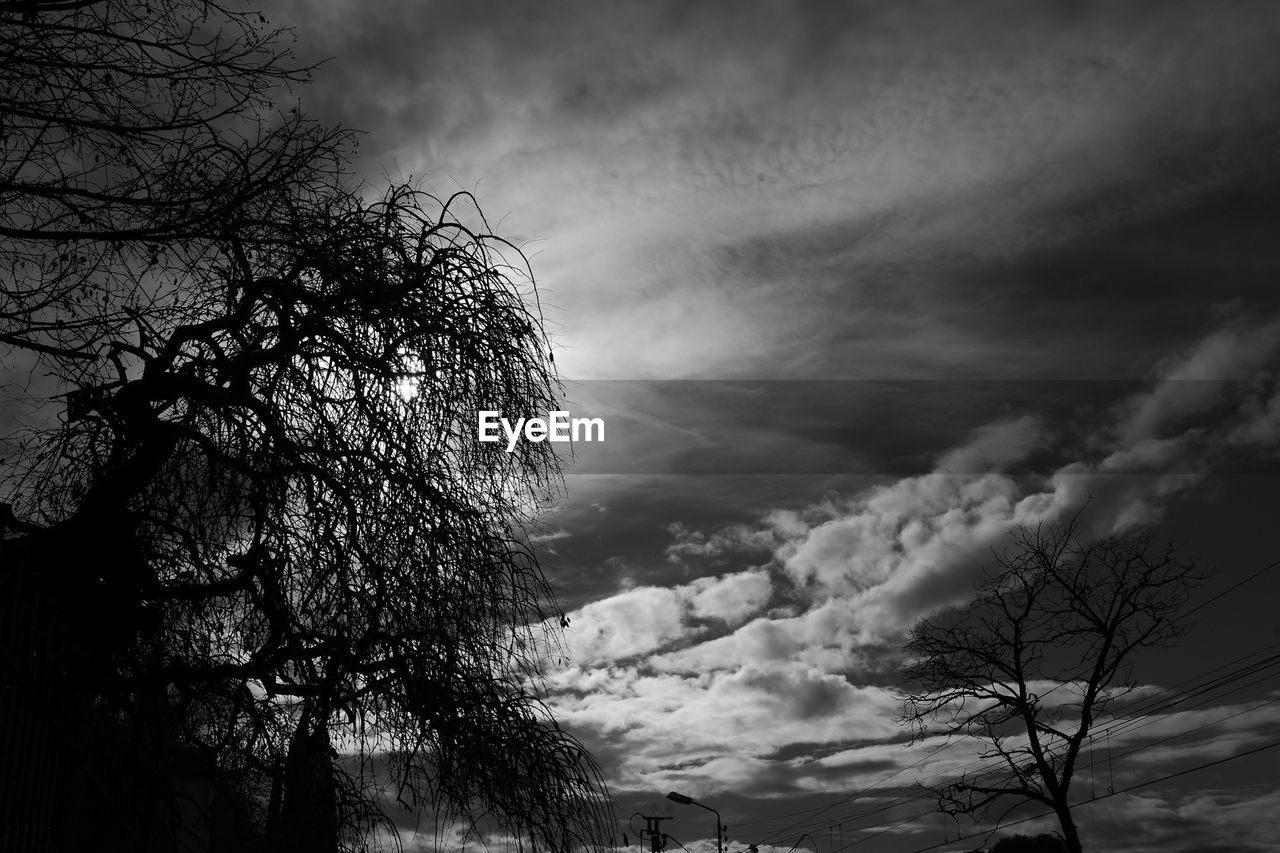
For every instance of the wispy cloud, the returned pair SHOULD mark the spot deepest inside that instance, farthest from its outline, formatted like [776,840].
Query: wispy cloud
[726,190]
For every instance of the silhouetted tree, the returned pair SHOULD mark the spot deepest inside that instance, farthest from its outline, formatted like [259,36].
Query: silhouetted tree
[263,510]
[153,120]
[1043,650]
[130,132]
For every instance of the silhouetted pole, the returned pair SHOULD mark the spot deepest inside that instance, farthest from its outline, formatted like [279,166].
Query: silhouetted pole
[657,843]
[690,801]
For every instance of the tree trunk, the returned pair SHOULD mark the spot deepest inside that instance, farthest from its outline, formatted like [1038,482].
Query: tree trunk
[1069,835]
[308,820]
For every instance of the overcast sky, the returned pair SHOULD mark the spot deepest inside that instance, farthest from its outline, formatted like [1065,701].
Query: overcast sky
[857,288]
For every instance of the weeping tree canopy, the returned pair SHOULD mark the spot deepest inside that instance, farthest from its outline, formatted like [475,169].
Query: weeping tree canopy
[262,507]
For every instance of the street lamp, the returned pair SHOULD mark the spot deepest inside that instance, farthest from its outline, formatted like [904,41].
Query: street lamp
[690,801]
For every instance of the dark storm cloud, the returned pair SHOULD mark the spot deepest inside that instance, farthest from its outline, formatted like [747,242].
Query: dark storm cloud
[766,190]
[1115,278]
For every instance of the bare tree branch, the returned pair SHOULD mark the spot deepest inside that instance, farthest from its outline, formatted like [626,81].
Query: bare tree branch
[1056,610]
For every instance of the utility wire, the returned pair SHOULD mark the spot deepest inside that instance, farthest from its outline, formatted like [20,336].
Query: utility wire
[924,795]
[851,797]
[1147,711]
[1134,787]
[676,840]
[1231,588]
[1094,798]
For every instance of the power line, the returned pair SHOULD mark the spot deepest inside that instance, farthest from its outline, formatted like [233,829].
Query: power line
[1231,588]
[1199,728]
[1149,720]
[669,837]
[853,796]
[1134,787]
[1147,711]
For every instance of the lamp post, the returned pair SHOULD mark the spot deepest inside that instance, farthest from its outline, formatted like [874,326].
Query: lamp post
[690,801]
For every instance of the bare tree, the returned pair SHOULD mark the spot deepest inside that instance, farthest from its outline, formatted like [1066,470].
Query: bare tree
[1044,650]
[128,130]
[262,512]
[153,120]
